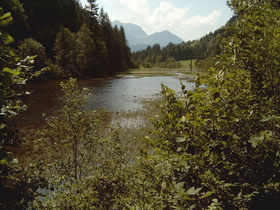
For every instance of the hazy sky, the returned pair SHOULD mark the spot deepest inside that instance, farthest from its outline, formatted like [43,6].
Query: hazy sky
[188,19]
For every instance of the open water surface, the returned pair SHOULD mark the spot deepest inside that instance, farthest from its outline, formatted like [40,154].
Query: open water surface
[118,93]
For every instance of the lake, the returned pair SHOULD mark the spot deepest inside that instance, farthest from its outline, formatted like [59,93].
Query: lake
[122,92]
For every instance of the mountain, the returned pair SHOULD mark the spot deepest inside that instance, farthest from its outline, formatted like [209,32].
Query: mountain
[138,39]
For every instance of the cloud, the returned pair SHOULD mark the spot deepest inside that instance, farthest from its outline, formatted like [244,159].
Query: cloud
[197,26]
[128,8]
[176,20]
[135,6]
[164,16]
[199,20]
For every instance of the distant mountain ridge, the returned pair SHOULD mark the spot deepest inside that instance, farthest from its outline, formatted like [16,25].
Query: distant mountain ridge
[138,39]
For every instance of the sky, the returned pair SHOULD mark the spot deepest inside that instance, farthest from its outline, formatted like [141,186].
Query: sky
[188,19]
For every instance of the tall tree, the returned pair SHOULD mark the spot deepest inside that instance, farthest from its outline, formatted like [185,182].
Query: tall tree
[108,34]
[92,8]
[125,49]
[64,52]
[85,50]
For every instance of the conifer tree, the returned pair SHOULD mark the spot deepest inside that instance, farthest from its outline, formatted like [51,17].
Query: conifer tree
[85,50]
[64,53]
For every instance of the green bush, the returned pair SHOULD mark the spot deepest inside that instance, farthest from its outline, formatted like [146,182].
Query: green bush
[207,63]
[18,184]
[31,47]
[225,139]
[169,63]
[85,162]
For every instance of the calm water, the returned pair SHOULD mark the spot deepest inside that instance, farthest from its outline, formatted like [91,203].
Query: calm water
[113,94]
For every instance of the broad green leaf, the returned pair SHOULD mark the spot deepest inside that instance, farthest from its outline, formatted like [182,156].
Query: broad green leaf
[265,118]
[180,139]
[179,149]
[8,70]
[2,126]
[193,191]
[6,19]
[179,185]
[207,194]
[3,161]
[7,38]
[255,140]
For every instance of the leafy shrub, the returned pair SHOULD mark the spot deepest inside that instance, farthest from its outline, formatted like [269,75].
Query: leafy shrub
[225,139]
[85,162]
[207,63]
[170,63]
[147,64]
[18,185]
[31,47]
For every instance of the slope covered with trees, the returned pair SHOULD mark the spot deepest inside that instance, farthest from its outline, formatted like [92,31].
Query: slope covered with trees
[70,39]
[203,50]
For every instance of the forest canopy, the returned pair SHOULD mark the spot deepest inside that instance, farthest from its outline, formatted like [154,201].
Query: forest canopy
[71,39]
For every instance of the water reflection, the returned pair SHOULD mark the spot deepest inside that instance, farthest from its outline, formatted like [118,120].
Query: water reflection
[127,92]
[114,94]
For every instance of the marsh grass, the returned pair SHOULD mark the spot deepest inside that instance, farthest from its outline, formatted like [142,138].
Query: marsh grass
[134,126]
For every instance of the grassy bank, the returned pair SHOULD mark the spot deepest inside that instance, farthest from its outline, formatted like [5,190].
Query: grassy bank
[156,71]
[187,63]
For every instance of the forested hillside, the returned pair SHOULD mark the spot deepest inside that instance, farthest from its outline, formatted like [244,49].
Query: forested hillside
[203,50]
[70,39]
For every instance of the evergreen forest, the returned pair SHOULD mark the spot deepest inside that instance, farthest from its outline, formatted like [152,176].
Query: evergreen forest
[214,147]
[72,40]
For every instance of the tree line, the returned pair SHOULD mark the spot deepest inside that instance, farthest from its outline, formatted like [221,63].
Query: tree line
[70,39]
[203,50]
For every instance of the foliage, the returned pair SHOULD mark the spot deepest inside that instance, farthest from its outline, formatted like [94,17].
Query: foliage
[156,55]
[207,63]
[30,47]
[169,63]
[18,186]
[13,76]
[95,57]
[85,48]
[64,53]
[72,133]
[19,18]
[203,50]
[225,139]
[78,156]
